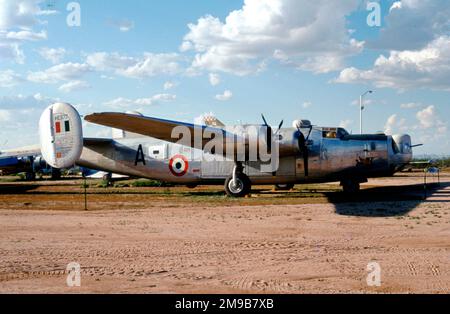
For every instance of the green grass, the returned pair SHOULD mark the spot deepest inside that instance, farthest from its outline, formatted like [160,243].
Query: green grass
[10,179]
[146,184]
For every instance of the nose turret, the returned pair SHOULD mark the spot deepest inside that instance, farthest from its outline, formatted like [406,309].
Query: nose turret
[401,153]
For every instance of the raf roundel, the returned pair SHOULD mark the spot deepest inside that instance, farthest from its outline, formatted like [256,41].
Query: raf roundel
[179,165]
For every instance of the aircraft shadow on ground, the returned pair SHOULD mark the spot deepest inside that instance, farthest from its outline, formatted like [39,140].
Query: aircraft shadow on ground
[11,189]
[386,201]
[390,201]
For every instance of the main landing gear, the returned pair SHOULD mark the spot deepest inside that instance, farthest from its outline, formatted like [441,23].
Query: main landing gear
[238,185]
[284,187]
[352,186]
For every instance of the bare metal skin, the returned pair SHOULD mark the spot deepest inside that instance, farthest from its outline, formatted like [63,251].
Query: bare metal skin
[147,148]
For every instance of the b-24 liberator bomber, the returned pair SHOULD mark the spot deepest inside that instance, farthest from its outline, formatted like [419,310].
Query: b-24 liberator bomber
[237,156]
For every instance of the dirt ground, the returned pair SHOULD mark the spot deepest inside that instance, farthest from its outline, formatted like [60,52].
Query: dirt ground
[313,239]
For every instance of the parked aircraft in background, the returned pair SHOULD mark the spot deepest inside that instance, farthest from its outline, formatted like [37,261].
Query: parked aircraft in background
[28,161]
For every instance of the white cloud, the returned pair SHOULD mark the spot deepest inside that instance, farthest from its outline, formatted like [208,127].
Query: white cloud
[427,117]
[5,115]
[9,78]
[346,124]
[12,52]
[18,13]
[214,79]
[47,12]
[367,102]
[169,85]
[305,34]
[156,99]
[62,72]
[227,95]
[431,126]
[119,102]
[396,5]
[26,35]
[21,102]
[104,61]
[429,67]
[428,128]
[153,65]
[41,98]
[307,104]
[74,86]
[122,25]
[21,112]
[411,105]
[17,17]
[394,125]
[148,65]
[390,124]
[54,55]
[413,24]
[122,102]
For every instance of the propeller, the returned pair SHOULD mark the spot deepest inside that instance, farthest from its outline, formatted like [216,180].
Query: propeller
[303,144]
[270,132]
[269,127]
[265,121]
[279,127]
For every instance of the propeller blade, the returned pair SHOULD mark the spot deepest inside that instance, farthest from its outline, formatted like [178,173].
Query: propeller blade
[265,121]
[279,128]
[281,125]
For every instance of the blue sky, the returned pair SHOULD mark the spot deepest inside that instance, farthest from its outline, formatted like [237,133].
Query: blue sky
[177,59]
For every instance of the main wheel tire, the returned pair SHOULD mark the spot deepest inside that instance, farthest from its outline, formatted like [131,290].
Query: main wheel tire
[284,187]
[241,188]
[351,186]
[30,176]
[56,174]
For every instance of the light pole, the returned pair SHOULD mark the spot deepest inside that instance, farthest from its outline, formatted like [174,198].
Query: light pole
[361,108]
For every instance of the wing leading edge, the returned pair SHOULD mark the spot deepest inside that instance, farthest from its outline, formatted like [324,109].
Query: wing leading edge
[236,141]
[165,130]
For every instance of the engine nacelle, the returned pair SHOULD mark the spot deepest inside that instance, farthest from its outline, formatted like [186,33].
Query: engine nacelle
[61,135]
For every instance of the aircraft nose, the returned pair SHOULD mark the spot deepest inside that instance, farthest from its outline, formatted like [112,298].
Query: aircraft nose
[404,144]
[402,151]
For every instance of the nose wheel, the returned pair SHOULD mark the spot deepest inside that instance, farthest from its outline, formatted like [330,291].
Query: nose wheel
[238,185]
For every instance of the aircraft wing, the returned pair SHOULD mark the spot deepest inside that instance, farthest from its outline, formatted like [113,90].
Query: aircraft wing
[28,151]
[236,140]
[157,128]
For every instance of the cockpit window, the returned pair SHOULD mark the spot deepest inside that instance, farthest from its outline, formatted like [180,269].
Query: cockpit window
[334,133]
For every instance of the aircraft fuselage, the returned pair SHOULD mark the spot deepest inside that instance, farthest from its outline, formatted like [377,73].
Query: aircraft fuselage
[331,158]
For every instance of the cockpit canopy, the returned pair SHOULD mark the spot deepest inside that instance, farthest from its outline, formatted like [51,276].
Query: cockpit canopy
[334,133]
